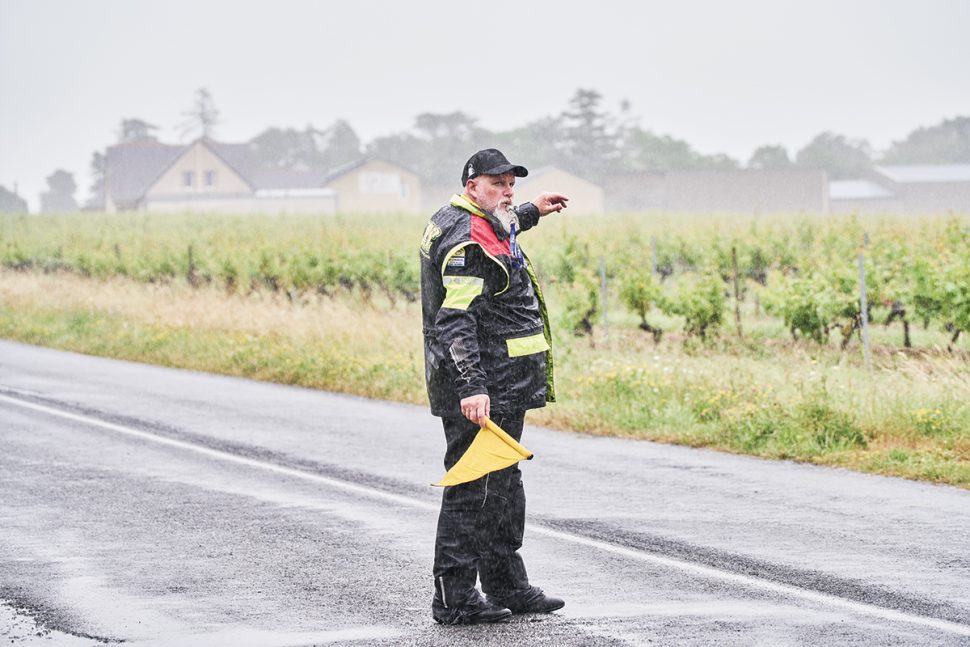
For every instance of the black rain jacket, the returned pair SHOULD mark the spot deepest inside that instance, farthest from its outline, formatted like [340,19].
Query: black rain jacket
[486,330]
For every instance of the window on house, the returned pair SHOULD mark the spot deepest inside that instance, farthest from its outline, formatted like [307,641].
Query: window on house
[188,179]
[379,183]
[210,179]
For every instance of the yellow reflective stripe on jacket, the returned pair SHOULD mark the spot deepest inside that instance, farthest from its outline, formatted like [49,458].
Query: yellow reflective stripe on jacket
[462,202]
[451,252]
[461,291]
[527,345]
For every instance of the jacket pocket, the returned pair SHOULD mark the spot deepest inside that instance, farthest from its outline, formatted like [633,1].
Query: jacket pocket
[530,345]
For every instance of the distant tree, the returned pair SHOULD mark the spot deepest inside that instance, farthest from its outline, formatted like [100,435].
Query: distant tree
[584,138]
[537,142]
[10,202]
[307,149]
[201,117]
[451,125]
[134,130]
[408,150]
[59,197]
[442,144]
[770,157]
[96,190]
[945,143]
[287,148]
[842,158]
[626,126]
[589,142]
[338,144]
[646,151]
[721,161]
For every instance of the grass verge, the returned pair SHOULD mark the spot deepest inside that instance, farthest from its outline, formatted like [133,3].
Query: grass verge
[907,417]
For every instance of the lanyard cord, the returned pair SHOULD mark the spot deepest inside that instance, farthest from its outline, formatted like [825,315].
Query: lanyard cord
[518,259]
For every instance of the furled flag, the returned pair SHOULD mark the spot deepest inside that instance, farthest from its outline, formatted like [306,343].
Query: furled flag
[492,450]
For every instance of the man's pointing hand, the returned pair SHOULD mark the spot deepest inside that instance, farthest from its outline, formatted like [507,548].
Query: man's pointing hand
[548,202]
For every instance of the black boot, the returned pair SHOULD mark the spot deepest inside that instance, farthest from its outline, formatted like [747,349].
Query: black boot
[531,600]
[473,609]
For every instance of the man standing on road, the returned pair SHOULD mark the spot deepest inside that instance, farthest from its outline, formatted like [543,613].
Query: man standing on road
[487,352]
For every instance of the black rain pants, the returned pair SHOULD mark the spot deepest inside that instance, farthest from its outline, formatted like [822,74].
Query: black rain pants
[481,523]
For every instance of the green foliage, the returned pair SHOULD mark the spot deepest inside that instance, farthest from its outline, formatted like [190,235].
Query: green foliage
[580,302]
[955,298]
[580,307]
[803,271]
[932,421]
[829,430]
[811,305]
[638,291]
[702,306]
[572,261]
[801,305]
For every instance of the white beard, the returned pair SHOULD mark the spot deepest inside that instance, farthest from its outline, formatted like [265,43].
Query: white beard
[506,216]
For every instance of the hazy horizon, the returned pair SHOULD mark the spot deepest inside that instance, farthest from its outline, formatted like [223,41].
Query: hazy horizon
[726,78]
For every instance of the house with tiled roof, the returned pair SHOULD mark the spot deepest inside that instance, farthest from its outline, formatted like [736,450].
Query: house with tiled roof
[215,177]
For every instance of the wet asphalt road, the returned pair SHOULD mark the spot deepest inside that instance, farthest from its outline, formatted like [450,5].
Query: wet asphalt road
[148,506]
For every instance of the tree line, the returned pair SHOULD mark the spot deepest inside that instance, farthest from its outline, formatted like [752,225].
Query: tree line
[586,138]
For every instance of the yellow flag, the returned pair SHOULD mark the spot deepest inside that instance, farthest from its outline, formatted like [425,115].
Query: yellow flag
[492,450]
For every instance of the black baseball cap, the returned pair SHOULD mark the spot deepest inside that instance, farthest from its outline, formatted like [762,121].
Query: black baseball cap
[490,161]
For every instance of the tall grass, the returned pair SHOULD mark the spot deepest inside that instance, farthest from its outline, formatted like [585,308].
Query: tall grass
[767,397]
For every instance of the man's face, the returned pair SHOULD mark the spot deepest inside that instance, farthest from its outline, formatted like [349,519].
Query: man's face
[491,192]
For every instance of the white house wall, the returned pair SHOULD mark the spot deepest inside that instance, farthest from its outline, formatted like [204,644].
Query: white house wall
[198,160]
[377,187]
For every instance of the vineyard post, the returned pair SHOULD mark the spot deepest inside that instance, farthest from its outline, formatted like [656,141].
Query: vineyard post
[864,311]
[606,325]
[653,256]
[737,290]
[190,272]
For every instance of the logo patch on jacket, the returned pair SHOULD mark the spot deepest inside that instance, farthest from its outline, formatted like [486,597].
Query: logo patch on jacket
[431,232]
[457,259]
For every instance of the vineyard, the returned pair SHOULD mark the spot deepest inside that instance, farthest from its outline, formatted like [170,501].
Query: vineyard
[698,273]
[741,334]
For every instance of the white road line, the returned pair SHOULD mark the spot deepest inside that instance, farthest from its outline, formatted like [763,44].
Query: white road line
[225,456]
[630,553]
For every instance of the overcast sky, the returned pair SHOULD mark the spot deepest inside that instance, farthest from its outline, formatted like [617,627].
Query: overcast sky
[726,76]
